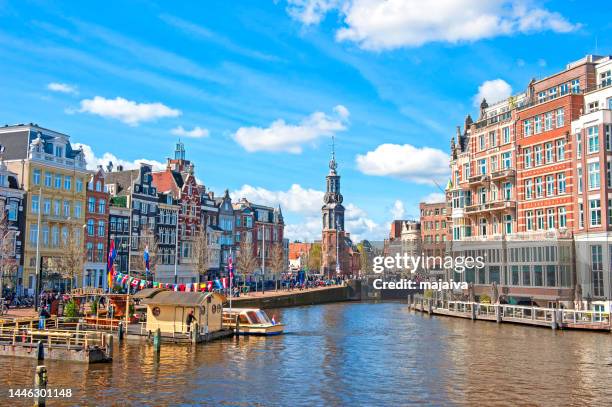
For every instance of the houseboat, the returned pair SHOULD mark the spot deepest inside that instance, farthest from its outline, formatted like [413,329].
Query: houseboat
[252,321]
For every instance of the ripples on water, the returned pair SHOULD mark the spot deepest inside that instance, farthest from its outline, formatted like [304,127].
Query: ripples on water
[347,353]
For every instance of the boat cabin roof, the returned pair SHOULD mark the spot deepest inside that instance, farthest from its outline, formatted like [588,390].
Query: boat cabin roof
[180,299]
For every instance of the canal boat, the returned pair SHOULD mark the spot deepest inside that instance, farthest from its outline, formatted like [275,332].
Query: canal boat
[252,321]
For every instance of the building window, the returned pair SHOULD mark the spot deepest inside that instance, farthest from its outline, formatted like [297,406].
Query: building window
[527,157]
[564,89]
[66,209]
[594,176]
[483,166]
[552,93]
[581,215]
[541,96]
[90,227]
[506,135]
[492,139]
[549,153]
[608,132]
[550,185]
[548,120]
[562,217]
[560,150]
[560,117]
[595,210]
[46,206]
[36,177]
[494,163]
[33,234]
[91,205]
[593,139]
[597,270]
[55,236]
[507,191]
[101,227]
[67,183]
[561,183]
[79,184]
[529,220]
[538,155]
[538,187]
[528,189]
[483,226]
[609,211]
[540,219]
[527,127]
[89,251]
[77,210]
[507,160]
[35,203]
[45,235]
[481,142]
[575,86]
[57,207]
[579,176]
[58,181]
[508,224]
[550,218]
[48,179]
[538,124]
[102,206]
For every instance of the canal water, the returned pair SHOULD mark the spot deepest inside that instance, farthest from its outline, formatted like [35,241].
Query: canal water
[346,354]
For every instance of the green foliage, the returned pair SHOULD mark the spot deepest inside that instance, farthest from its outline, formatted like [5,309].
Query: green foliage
[428,294]
[131,310]
[94,306]
[485,299]
[71,309]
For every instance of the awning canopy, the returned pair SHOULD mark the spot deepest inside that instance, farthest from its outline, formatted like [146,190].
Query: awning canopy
[178,298]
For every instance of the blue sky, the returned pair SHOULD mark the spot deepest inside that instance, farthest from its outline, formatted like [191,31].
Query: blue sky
[256,89]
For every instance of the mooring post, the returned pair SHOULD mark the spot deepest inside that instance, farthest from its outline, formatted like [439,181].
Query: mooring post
[109,346]
[422,304]
[498,317]
[553,324]
[120,331]
[194,333]
[40,382]
[40,351]
[157,341]
[429,306]
[237,329]
[473,311]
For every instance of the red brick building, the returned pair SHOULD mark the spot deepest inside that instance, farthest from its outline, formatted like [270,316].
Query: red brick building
[434,228]
[96,223]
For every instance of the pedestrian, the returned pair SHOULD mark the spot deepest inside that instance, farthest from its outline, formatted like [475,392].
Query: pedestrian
[190,319]
[44,314]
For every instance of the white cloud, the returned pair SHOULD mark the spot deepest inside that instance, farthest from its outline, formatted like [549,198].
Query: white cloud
[424,165]
[93,161]
[62,88]
[383,25]
[398,210]
[434,197]
[196,132]
[281,136]
[296,199]
[494,91]
[127,111]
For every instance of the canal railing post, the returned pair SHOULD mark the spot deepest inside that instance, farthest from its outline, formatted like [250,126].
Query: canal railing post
[120,334]
[40,383]
[109,346]
[40,351]
[157,340]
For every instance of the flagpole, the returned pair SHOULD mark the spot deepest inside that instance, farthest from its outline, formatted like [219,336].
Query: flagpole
[231,285]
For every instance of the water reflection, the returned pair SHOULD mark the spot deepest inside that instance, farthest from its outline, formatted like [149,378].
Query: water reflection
[351,353]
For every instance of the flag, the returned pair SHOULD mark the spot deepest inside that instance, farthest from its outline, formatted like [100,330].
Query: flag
[273,320]
[230,267]
[209,286]
[224,282]
[218,284]
[146,259]
[110,266]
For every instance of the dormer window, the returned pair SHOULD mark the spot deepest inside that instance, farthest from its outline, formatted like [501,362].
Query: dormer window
[59,151]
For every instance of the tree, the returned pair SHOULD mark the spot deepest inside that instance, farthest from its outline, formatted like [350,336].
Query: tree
[277,259]
[8,263]
[364,260]
[147,239]
[315,257]
[246,260]
[71,262]
[201,255]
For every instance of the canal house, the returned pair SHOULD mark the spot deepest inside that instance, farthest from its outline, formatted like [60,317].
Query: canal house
[168,312]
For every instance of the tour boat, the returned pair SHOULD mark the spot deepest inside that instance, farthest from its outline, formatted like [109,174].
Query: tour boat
[252,321]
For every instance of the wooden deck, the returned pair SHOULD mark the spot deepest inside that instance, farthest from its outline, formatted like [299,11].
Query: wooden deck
[516,314]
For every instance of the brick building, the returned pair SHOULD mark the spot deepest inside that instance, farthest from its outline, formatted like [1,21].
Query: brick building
[96,233]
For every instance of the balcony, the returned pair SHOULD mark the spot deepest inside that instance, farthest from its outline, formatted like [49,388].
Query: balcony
[478,179]
[503,174]
[498,205]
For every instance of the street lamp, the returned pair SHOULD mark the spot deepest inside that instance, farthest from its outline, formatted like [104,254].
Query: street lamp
[38,273]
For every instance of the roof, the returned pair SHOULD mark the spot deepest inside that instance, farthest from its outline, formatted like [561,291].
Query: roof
[165,181]
[297,249]
[178,298]
[123,179]
[147,293]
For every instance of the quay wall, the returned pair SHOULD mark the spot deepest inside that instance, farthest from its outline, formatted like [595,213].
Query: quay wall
[349,292]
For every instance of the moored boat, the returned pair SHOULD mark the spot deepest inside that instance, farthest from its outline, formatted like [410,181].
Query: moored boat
[252,321]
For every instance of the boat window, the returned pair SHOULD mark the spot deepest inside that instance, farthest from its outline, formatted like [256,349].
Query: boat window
[253,317]
[263,317]
[243,319]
